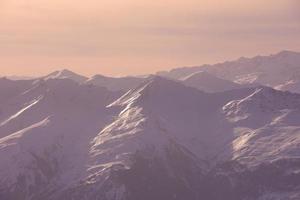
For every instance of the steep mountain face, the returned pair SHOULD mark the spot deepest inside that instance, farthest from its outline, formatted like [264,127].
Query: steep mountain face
[161,140]
[65,74]
[115,84]
[154,108]
[47,98]
[209,83]
[267,122]
[267,146]
[45,137]
[150,151]
[273,71]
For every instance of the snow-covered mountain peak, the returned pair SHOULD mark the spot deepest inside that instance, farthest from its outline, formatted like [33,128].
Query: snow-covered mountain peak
[53,86]
[54,82]
[158,91]
[66,74]
[158,83]
[163,102]
[157,115]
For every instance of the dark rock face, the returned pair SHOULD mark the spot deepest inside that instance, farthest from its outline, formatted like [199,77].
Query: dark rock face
[227,181]
[178,176]
[234,181]
[151,180]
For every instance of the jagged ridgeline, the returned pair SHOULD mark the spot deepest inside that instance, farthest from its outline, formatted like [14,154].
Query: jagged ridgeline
[68,137]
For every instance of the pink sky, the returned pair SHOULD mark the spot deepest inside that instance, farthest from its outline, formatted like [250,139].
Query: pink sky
[122,37]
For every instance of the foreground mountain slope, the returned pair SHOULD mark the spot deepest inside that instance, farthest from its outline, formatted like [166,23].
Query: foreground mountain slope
[45,146]
[162,140]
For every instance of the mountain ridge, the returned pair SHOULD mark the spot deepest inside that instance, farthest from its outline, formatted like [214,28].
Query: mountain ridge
[157,139]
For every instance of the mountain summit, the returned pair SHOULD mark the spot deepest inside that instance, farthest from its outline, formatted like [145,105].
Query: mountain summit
[66,74]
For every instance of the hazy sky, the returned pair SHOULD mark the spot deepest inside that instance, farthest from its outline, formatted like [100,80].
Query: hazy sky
[120,37]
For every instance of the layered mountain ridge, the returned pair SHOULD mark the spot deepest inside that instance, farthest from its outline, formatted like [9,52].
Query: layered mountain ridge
[159,138]
[106,155]
[275,71]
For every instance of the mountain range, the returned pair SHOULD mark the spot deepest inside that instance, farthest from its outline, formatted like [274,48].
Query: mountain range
[229,131]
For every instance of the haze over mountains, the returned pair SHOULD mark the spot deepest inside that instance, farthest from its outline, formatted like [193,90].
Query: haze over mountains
[219,132]
[279,71]
[274,70]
